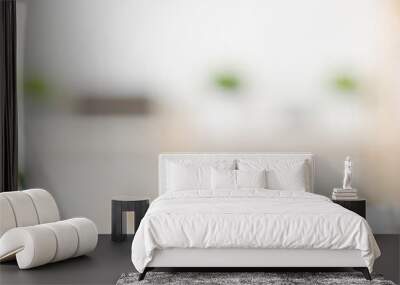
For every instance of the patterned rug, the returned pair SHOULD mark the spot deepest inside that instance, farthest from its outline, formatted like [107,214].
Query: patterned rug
[269,278]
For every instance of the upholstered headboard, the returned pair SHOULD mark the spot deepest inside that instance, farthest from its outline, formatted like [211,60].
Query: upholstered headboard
[165,158]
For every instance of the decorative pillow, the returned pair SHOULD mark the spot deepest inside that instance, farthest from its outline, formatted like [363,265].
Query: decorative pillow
[287,174]
[236,179]
[181,177]
[189,174]
[251,178]
[293,179]
[223,179]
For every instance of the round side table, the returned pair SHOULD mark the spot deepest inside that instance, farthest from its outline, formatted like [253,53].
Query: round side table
[120,204]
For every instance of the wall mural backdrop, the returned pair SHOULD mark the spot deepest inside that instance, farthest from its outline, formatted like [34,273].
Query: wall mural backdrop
[110,84]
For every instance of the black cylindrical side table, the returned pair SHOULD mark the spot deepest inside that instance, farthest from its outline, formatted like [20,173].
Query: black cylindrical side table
[120,204]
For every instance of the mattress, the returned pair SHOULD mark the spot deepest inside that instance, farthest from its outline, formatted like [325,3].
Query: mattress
[250,219]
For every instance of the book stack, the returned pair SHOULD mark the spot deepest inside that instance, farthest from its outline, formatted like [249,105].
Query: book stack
[344,194]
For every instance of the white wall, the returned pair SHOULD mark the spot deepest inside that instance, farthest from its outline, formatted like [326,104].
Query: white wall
[286,53]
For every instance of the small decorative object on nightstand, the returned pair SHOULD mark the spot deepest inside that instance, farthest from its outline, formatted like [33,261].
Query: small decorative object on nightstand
[347,196]
[121,204]
[346,192]
[347,177]
[358,206]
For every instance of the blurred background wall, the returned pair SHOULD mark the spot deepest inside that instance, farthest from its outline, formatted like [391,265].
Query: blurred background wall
[105,86]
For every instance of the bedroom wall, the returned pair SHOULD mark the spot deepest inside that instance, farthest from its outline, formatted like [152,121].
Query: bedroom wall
[216,76]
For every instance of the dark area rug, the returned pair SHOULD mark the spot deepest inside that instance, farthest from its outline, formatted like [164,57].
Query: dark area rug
[273,278]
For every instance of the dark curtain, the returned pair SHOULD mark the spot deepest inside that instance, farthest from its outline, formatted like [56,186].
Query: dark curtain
[8,97]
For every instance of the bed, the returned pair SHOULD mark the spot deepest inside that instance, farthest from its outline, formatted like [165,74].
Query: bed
[245,211]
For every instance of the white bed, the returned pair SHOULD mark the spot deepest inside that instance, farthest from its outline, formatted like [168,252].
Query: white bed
[250,227]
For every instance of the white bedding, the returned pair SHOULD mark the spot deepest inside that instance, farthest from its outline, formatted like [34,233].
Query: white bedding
[250,218]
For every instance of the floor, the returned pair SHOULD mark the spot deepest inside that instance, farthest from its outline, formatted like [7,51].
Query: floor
[110,260]
[103,266]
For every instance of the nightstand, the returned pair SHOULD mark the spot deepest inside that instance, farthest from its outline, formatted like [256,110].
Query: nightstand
[358,206]
[121,204]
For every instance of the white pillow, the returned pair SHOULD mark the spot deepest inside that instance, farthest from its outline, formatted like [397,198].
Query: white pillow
[251,178]
[189,174]
[293,179]
[223,179]
[185,177]
[236,179]
[282,174]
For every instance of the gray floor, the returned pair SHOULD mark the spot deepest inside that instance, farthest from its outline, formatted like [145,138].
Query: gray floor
[103,266]
[109,260]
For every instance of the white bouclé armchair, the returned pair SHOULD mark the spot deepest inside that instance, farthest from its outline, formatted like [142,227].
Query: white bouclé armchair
[31,231]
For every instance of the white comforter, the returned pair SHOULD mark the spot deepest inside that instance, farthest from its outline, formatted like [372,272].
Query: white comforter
[251,218]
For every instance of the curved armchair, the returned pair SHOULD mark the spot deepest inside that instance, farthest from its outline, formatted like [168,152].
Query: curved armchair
[32,233]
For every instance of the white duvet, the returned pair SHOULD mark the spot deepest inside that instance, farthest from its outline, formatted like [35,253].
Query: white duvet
[251,218]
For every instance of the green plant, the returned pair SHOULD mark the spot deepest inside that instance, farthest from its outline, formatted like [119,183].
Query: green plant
[37,89]
[345,83]
[228,81]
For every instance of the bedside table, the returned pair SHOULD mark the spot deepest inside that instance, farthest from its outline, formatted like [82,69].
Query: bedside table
[358,206]
[120,204]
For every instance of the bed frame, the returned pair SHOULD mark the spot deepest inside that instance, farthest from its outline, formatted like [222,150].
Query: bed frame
[245,259]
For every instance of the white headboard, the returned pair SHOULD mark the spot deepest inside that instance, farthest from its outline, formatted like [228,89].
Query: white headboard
[164,158]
